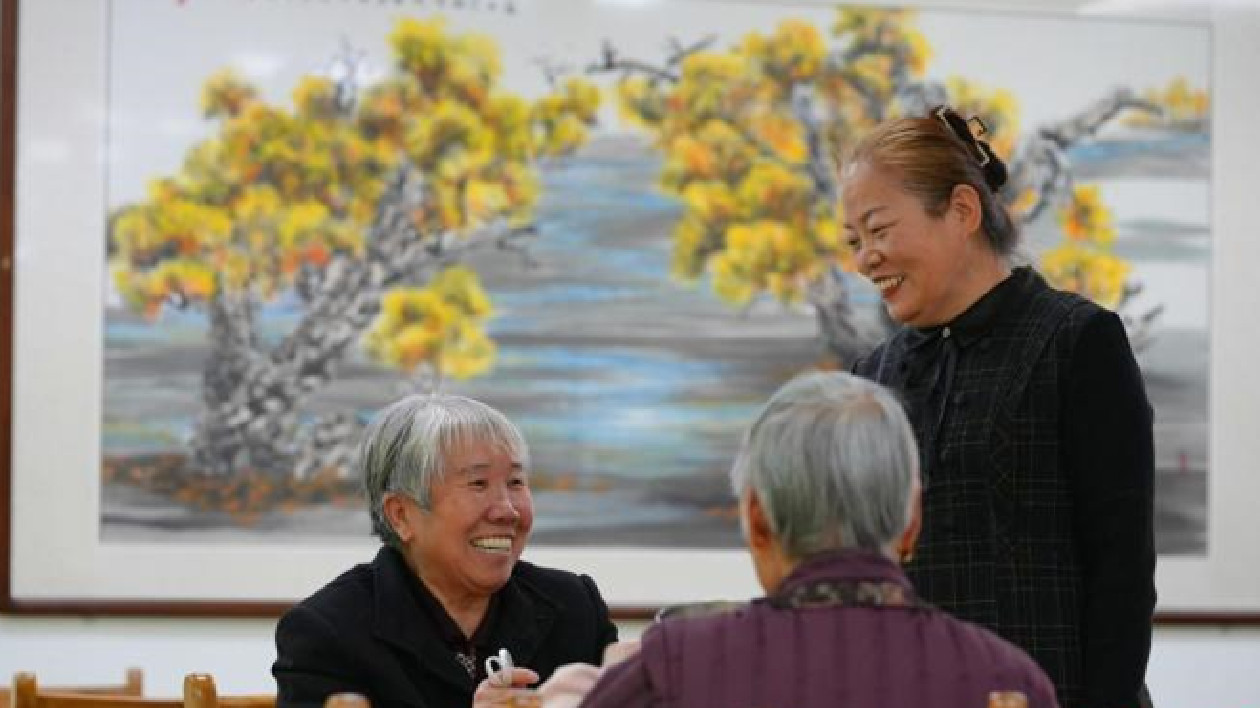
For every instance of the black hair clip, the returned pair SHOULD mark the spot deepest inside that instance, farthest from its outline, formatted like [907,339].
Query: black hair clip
[968,131]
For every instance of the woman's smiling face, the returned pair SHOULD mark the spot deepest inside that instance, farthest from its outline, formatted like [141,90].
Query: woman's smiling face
[917,261]
[482,512]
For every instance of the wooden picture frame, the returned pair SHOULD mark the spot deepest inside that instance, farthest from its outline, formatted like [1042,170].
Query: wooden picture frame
[55,187]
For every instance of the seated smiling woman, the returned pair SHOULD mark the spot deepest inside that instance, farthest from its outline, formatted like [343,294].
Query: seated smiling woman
[448,489]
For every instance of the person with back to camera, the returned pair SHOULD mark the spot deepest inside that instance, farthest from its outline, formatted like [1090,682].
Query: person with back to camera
[828,499]
[1031,415]
[448,491]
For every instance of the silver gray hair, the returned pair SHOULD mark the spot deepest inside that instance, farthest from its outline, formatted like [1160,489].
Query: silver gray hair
[832,458]
[404,448]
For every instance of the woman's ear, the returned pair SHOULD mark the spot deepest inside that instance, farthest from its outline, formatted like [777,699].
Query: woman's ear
[395,506]
[965,207]
[910,536]
[757,526]
[770,562]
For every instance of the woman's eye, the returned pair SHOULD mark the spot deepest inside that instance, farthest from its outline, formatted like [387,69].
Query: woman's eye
[518,482]
[478,483]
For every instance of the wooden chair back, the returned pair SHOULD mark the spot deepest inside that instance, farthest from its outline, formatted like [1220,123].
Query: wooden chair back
[199,692]
[132,685]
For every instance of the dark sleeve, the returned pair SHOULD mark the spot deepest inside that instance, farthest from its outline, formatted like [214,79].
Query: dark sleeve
[606,631]
[310,665]
[1109,451]
[625,685]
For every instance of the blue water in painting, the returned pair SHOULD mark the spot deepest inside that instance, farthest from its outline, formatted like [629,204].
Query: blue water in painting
[621,378]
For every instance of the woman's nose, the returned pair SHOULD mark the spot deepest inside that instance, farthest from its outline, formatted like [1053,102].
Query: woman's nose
[503,510]
[867,259]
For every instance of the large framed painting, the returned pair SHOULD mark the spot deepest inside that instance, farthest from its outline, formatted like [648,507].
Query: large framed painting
[240,227]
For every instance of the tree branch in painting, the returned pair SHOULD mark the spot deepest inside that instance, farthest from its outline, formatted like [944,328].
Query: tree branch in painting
[356,207]
[751,135]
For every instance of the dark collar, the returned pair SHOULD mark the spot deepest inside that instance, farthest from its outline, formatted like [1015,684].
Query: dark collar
[524,617]
[978,320]
[450,632]
[846,564]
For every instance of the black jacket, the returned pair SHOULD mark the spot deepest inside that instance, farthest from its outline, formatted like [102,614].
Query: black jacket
[365,632]
[1037,456]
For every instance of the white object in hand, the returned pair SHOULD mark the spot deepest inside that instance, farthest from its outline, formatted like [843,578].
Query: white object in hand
[499,669]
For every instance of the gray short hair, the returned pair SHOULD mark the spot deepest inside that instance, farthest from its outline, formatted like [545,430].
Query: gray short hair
[833,460]
[405,446]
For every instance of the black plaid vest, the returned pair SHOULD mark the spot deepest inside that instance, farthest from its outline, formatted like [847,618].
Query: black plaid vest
[997,542]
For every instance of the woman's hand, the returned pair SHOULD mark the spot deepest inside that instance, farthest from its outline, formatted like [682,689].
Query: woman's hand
[491,693]
[565,689]
[569,685]
[618,652]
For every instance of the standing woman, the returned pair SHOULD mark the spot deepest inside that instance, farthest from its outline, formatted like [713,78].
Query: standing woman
[1031,416]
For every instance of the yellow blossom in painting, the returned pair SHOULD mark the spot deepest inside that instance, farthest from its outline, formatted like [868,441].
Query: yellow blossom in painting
[1023,203]
[226,93]
[1179,103]
[827,237]
[795,50]
[565,135]
[470,352]
[920,52]
[697,158]
[420,46]
[297,196]
[743,158]
[472,67]
[299,222]
[582,98]
[460,287]
[640,102]
[522,188]
[1095,274]
[509,119]
[439,326]
[315,97]
[235,269]
[706,77]
[257,202]
[712,66]
[184,279]
[454,139]
[484,199]
[775,189]
[730,278]
[691,237]
[712,201]
[782,133]
[997,108]
[1086,218]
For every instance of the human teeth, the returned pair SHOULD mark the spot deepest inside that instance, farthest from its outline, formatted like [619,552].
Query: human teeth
[886,284]
[493,543]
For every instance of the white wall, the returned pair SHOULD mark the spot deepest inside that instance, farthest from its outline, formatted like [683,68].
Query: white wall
[1205,667]
[1190,668]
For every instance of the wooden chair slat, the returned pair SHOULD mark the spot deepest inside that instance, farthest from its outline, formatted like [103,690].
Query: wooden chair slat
[199,692]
